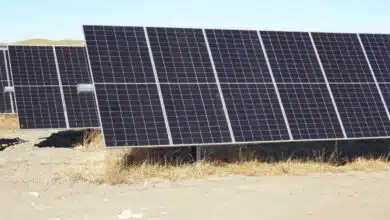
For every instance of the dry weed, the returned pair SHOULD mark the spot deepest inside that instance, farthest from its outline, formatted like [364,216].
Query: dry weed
[119,169]
[9,122]
[92,140]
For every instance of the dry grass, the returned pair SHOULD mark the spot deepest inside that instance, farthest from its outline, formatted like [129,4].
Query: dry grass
[120,167]
[8,123]
[92,140]
[41,41]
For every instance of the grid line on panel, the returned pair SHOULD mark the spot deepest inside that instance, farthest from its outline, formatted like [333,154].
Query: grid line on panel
[131,115]
[219,88]
[342,57]
[238,56]
[195,113]
[73,68]
[81,108]
[275,86]
[118,54]
[374,77]
[40,107]
[61,88]
[310,111]
[361,109]
[33,65]
[72,62]
[159,88]
[180,55]
[328,86]
[377,48]
[254,112]
[292,57]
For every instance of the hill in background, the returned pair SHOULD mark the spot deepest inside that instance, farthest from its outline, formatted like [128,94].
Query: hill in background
[41,41]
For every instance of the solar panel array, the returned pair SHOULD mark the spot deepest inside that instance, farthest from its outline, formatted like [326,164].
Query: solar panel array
[42,100]
[158,86]
[161,86]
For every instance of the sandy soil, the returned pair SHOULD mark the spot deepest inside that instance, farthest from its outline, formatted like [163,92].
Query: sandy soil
[28,192]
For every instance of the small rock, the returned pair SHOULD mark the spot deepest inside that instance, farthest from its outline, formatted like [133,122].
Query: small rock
[126,214]
[35,194]
[137,216]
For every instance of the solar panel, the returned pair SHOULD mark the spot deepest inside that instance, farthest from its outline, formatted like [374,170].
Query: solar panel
[180,55]
[118,54]
[377,47]
[39,70]
[247,86]
[355,90]
[255,113]
[73,68]
[6,104]
[342,58]
[40,107]
[361,109]
[302,85]
[131,115]
[194,111]
[37,89]
[310,111]
[126,89]
[33,65]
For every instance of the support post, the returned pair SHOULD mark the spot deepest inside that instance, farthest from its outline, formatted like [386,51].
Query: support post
[198,155]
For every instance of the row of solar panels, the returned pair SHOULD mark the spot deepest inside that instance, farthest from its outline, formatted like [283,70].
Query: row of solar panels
[157,86]
[45,81]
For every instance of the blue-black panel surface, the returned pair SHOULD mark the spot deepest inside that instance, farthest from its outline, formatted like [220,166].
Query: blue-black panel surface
[238,56]
[118,54]
[292,57]
[40,107]
[180,55]
[361,110]
[310,111]
[73,65]
[81,108]
[377,48]
[255,113]
[131,115]
[195,113]
[342,57]
[33,65]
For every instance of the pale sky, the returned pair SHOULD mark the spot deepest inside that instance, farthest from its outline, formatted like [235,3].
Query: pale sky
[63,19]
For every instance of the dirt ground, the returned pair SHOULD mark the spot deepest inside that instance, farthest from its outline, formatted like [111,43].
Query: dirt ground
[27,191]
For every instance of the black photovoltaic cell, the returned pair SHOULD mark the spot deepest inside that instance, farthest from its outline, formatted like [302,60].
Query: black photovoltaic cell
[292,57]
[195,113]
[40,107]
[238,56]
[73,65]
[33,65]
[342,57]
[180,55]
[255,113]
[81,108]
[377,47]
[118,54]
[310,111]
[131,115]
[361,109]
